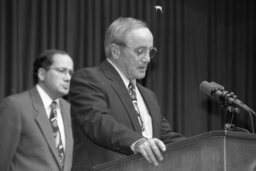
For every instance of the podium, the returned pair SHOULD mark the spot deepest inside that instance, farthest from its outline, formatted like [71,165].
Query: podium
[211,151]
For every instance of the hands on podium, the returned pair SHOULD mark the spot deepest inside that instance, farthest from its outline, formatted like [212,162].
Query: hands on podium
[151,149]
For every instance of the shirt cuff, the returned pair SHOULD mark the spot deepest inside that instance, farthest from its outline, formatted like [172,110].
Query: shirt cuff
[133,145]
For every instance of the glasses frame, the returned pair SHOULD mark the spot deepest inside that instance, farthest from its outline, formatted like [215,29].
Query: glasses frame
[143,55]
[61,70]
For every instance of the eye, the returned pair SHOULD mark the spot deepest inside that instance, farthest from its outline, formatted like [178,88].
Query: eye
[141,51]
[61,70]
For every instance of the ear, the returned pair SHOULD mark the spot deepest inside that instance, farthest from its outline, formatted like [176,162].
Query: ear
[115,50]
[41,74]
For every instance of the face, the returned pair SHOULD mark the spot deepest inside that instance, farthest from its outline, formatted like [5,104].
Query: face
[129,62]
[55,81]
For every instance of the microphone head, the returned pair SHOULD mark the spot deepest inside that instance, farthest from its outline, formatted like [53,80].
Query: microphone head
[210,88]
[218,86]
[206,88]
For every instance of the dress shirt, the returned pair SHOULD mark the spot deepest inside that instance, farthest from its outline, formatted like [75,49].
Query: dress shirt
[47,101]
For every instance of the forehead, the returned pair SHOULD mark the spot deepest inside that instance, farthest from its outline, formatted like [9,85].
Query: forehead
[62,60]
[140,36]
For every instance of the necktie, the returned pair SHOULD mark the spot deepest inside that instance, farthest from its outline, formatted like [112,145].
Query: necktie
[132,92]
[56,131]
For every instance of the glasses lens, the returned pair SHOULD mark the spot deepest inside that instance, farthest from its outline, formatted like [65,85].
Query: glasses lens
[152,53]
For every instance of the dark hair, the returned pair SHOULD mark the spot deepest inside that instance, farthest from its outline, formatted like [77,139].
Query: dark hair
[44,60]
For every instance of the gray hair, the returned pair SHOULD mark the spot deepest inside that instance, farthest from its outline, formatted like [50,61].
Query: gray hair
[119,29]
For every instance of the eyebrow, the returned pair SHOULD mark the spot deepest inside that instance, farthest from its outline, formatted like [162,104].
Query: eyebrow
[144,47]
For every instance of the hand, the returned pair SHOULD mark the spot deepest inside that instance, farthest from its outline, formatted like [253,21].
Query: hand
[151,149]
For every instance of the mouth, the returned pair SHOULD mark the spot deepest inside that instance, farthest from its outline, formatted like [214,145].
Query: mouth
[142,68]
[66,87]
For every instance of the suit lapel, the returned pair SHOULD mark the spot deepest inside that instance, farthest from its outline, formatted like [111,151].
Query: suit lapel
[43,122]
[119,87]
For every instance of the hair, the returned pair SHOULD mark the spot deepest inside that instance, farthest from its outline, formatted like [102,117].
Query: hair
[119,29]
[45,60]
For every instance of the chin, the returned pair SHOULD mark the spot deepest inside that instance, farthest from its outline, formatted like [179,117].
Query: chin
[141,76]
[64,92]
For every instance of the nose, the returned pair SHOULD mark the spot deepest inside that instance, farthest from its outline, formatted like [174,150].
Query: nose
[68,76]
[146,58]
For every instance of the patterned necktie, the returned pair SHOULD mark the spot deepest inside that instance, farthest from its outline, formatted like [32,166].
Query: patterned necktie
[132,92]
[56,131]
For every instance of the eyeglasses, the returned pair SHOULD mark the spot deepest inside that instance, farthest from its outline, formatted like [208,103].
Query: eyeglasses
[141,52]
[63,71]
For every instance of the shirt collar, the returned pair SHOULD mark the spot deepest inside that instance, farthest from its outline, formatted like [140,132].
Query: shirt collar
[47,101]
[123,77]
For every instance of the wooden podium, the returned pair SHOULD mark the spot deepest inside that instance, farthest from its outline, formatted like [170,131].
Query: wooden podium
[211,151]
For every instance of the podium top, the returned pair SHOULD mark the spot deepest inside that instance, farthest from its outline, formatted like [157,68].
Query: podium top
[218,150]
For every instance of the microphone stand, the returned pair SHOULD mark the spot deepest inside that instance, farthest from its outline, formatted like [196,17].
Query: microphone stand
[229,126]
[231,111]
[229,102]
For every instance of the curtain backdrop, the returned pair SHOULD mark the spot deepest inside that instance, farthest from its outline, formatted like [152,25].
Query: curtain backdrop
[197,40]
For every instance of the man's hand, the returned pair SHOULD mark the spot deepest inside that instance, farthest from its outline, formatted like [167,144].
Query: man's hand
[151,149]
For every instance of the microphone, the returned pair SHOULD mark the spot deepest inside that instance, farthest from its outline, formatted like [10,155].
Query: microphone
[218,92]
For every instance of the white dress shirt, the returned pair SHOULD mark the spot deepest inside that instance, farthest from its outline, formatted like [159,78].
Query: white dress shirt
[47,101]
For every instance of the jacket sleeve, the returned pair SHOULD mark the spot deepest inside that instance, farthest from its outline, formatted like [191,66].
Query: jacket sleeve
[167,133]
[10,130]
[163,129]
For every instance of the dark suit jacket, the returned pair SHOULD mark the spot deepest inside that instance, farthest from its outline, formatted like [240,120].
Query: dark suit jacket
[26,137]
[104,119]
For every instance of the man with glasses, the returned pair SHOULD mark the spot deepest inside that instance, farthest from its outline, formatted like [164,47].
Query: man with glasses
[113,115]
[35,125]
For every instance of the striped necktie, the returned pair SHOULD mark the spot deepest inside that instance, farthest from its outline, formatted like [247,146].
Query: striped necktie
[132,92]
[56,131]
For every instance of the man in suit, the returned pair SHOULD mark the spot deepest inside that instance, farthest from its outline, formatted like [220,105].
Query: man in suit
[36,136]
[113,116]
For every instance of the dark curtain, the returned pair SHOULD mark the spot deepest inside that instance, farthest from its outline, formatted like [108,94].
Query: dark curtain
[197,40]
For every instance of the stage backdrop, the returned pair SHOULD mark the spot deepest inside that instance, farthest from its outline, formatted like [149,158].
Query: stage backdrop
[197,40]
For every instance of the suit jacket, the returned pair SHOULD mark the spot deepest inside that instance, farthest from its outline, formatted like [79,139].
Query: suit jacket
[104,119]
[27,141]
